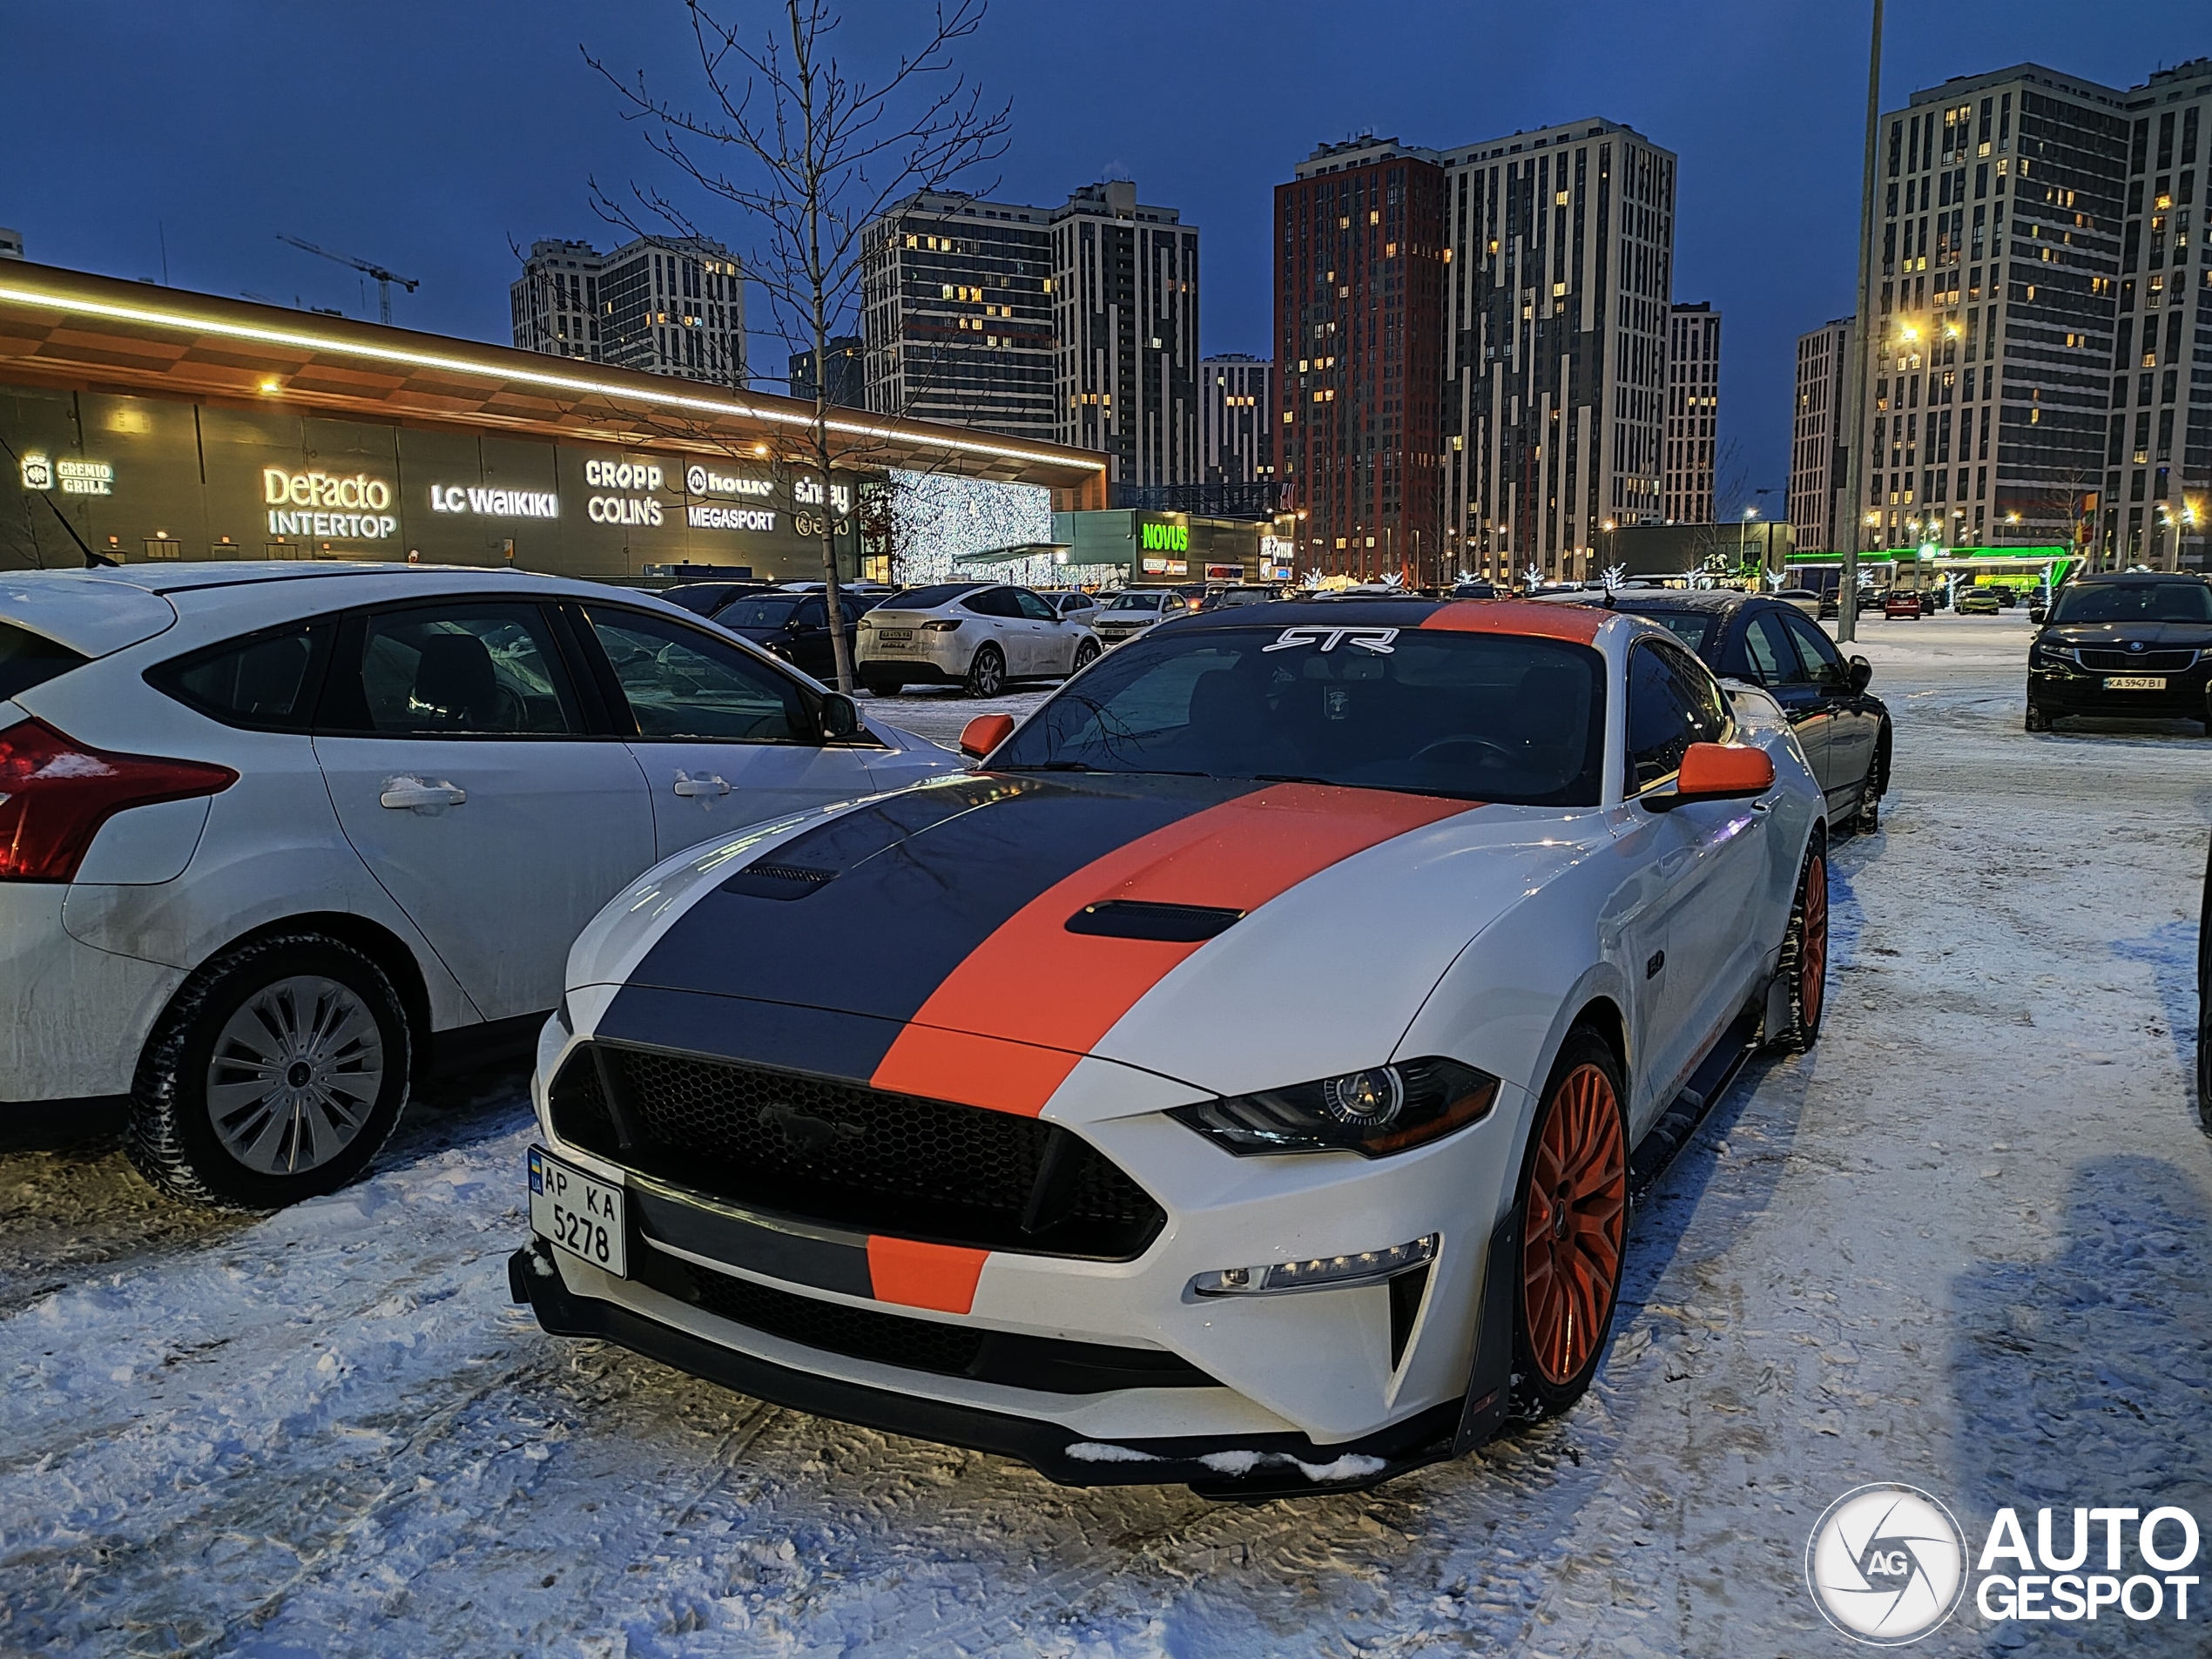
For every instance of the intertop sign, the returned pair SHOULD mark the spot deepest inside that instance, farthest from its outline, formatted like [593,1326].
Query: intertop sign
[359,501]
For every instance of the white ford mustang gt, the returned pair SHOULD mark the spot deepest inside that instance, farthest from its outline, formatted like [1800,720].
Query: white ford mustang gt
[1242,1077]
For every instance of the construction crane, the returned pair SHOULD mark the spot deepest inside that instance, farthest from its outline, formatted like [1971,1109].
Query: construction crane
[384,279]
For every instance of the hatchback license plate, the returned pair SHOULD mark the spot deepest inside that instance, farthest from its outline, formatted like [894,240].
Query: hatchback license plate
[579,1213]
[2135,682]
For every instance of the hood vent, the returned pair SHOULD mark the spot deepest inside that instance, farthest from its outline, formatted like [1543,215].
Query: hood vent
[778,881]
[1168,924]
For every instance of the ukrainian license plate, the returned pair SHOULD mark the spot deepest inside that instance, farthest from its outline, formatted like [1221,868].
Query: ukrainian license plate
[579,1213]
[894,636]
[2134,682]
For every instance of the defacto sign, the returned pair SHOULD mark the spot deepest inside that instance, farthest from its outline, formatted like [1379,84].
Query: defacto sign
[705,481]
[494,503]
[359,499]
[633,475]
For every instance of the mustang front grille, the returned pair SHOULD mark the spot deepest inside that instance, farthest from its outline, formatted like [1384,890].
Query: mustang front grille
[851,1156]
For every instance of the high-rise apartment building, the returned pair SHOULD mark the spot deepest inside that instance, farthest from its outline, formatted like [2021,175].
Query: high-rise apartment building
[956,306]
[848,379]
[1692,413]
[11,244]
[1560,251]
[1125,318]
[1359,268]
[1819,423]
[665,305]
[1990,349]
[2158,441]
[1236,420]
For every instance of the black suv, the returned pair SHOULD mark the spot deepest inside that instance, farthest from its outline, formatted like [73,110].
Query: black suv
[2139,644]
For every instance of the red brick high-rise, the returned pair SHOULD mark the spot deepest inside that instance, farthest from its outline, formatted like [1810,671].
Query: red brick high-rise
[1359,261]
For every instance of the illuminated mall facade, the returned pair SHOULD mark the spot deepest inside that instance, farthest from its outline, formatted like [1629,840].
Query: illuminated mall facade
[141,422]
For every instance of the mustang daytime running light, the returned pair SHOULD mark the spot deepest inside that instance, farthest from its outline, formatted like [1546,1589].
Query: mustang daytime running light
[1319,1273]
[1375,1113]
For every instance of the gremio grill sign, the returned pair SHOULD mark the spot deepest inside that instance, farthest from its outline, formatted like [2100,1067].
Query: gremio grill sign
[352,507]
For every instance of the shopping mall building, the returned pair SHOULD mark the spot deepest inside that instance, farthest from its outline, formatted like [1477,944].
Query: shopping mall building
[139,423]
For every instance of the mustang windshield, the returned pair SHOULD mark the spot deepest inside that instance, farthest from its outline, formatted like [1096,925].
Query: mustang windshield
[2185,601]
[1486,717]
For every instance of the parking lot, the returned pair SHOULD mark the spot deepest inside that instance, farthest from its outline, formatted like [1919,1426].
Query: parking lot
[1960,1245]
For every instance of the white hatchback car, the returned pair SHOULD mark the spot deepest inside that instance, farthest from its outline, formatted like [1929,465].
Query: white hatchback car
[977,634]
[273,837]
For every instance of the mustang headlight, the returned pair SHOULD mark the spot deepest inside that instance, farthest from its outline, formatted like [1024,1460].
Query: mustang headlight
[1375,1113]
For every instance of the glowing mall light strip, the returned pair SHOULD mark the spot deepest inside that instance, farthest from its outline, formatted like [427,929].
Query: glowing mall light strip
[534,377]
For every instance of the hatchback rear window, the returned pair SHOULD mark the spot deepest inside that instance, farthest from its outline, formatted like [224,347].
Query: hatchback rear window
[268,681]
[29,659]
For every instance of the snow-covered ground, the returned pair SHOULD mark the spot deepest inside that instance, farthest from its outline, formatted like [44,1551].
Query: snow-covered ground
[1962,1245]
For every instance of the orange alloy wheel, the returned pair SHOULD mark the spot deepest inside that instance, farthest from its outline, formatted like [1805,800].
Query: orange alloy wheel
[1570,1251]
[1813,950]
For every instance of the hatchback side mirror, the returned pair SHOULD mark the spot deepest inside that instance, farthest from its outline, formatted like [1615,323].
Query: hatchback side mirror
[840,716]
[984,733]
[1862,671]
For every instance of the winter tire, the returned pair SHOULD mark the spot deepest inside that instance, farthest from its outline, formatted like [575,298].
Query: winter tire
[987,673]
[2039,721]
[1868,819]
[275,1074]
[1086,654]
[1574,1208]
[882,687]
[1804,954]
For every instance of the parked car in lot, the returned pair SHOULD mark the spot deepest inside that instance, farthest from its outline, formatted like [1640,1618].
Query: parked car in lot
[1224,597]
[1130,612]
[1843,729]
[1073,603]
[2124,645]
[1048,1177]
[982,635]
[1977,601]
[1803,599]
[1902,602]
[273,838]
[793,625]
[704,598]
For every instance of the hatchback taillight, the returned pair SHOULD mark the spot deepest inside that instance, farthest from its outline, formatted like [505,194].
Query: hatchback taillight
[55,793]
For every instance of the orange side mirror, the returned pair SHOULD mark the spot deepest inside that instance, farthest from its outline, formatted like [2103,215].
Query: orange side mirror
[986,731]
[1724,771]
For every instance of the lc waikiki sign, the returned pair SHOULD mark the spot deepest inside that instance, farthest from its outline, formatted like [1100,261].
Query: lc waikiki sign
[352,508]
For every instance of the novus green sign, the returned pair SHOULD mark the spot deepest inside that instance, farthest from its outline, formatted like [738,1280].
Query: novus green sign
[1166,538]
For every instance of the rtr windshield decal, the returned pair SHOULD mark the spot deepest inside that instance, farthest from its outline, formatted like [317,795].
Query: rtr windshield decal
[1371,639]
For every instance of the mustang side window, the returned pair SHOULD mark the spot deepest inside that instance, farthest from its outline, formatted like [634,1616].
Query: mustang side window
[1664,717]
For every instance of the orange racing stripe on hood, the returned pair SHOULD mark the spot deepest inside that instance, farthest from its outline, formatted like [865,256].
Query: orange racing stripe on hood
[1005,1028]
[1551,620]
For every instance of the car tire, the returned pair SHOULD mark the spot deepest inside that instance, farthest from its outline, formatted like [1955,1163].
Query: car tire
[320,1007]
[987,673]
[1868,819]
[2037,719]
[1086,654]
[1803,969]
[880,687]
[1573,1204]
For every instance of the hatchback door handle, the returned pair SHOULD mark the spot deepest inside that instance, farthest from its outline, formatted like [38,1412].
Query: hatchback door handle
[687,786]
[400,793]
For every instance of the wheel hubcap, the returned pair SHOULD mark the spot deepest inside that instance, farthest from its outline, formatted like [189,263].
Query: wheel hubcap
[1812,952]
[1577,1215]
[295,1074]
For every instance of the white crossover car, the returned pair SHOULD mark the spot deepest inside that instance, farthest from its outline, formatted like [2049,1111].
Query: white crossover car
[979,635]
[1133,611]
[272,836]
[1279,1024]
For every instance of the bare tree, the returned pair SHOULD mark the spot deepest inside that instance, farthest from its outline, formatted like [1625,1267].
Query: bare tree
[818,153]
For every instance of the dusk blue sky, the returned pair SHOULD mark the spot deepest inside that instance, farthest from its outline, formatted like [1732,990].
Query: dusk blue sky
[425,135]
